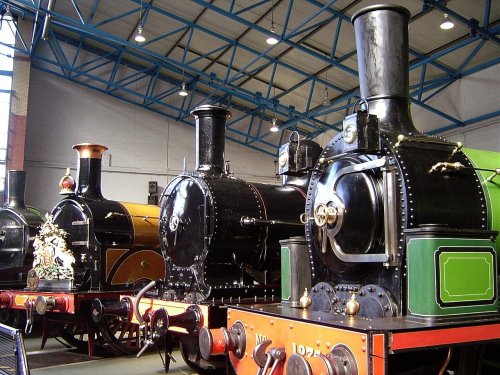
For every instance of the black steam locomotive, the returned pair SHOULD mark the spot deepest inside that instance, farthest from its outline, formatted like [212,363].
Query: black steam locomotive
[18,226]
[401,239]
[89,247]
[220,234]
[116,243]
[220,237]
[406,181]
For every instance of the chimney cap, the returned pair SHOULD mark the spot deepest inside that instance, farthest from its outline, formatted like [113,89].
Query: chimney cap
[210,107]
[90,150]
[371,8]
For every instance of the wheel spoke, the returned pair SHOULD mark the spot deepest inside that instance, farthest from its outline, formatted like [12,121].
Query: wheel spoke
[122,337]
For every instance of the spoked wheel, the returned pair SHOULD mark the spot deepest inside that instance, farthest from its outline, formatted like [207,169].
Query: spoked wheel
[75,334]
[190,351]
[122,337]
[479,360]
[75,330]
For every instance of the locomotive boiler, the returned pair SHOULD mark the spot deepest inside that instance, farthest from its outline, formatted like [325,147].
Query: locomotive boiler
[18,226]
[220,238]
[401,238]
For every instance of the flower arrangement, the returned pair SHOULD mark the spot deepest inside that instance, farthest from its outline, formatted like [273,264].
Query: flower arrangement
[52,258]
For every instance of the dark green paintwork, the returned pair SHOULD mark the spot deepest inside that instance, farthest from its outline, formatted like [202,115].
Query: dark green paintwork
[422,275]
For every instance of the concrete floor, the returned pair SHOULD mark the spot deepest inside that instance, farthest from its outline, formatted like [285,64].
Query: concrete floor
[55,353]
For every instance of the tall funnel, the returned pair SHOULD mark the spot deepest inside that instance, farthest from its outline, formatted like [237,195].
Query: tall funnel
[17,188]
[89,169]
[382,46]
[210,137]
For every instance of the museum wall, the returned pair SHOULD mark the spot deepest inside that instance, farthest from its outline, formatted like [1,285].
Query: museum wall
[143,146]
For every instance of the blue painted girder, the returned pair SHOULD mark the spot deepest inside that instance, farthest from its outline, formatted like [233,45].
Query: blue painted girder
[117,66]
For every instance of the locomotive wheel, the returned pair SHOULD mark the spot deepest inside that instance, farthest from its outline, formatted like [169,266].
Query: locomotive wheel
[75,330]
[75,334]
[121,337]
[479,360]
[190,350]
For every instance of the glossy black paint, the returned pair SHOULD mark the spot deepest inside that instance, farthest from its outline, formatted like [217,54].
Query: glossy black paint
[220,234]
[210,137]
[453,200]
[93,225]
[16,189]
[89,178]
[210,253]
[18,226]
[423,199]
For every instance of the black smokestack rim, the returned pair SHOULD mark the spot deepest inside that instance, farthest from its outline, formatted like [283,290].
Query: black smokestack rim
[210,137]
[89,169]
[16,189]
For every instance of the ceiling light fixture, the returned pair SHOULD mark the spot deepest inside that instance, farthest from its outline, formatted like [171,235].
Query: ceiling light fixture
[273,39]
[274,127]
[326,101]
[7,16]
[139,36]
[447,23]
[184,91]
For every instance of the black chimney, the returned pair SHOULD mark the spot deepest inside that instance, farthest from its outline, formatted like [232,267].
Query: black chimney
[210,137]
[17,188]
[89,169]
[382,46]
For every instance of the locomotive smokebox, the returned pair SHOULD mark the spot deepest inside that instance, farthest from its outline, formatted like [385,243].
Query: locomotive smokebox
[210,137]
[382,46]
[89,169]
[17,187]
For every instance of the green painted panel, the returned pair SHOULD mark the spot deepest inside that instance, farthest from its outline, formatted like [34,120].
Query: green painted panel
[488,160]
[421,276]
[425,283]
[286,277]
[466,276]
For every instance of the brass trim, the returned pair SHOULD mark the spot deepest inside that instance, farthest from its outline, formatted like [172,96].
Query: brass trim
[90,150]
